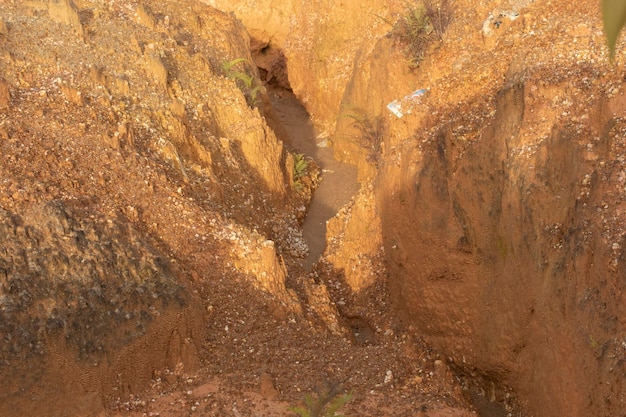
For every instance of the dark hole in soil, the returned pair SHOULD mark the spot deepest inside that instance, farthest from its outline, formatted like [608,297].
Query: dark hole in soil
[271,62]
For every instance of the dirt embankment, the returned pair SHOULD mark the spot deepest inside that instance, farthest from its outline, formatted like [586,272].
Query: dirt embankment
[502,201]
[134,167]
[321,42]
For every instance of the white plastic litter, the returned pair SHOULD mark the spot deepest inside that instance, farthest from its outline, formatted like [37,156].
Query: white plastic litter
[326,143]
[405,105]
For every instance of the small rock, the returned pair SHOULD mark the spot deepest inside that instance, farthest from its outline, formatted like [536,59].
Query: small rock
[388,377]
[145,18]
[155,67]
[170,378]
[267,389]
[72,94]
[96,75]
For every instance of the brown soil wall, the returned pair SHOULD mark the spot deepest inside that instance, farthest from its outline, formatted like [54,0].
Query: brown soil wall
[502,200]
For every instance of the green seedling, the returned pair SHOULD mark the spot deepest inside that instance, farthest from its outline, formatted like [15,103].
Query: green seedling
[300,166]
[245,81]
[300,169]
[420,25]
[324,403]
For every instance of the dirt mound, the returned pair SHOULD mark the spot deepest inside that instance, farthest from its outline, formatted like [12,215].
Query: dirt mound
[78,294]
[66,272]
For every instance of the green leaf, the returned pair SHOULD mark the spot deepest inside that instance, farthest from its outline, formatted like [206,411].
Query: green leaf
[336,404]
[300,166]
[614,17]
[229,64]
[300,411]
[254,92]
[245,78]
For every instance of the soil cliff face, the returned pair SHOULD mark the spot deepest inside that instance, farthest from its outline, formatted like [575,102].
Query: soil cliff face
[77,297]
[514,262]
[130,156]
[501,195]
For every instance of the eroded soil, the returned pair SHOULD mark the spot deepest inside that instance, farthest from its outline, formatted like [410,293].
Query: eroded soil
[152,258]
[158,258]
[337,180]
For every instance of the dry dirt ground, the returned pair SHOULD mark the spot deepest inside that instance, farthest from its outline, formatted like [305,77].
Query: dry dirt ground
[152,254]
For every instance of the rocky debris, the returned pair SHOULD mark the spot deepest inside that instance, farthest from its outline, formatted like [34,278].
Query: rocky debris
[321,305]
[254,255]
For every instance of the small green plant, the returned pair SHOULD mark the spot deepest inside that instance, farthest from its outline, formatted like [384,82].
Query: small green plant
[300,168]
[325,403]
[420,26]
[245,81]
[614,18]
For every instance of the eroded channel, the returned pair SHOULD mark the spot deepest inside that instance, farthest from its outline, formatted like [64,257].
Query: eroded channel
[339,180]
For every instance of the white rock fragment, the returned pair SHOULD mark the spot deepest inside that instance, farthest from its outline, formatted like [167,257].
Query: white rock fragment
[388,377]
